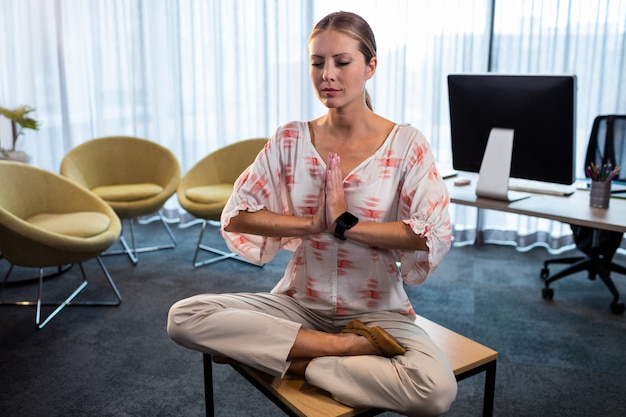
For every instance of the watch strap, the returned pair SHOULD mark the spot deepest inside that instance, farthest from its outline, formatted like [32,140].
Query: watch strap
[344,222]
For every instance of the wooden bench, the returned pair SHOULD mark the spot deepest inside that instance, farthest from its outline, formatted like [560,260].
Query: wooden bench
[299,399]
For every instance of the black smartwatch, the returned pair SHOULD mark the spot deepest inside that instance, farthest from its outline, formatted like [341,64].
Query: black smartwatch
[344,222]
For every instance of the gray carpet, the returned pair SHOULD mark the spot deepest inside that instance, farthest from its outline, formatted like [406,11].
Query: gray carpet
[560,358]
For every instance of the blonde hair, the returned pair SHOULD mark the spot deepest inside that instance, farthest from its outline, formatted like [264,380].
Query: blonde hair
[357,28]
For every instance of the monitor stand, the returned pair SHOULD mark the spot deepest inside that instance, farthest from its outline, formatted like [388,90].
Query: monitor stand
[493,179]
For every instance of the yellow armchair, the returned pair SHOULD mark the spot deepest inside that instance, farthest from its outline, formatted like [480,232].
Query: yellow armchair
[206,187]
[49,221]
[134,176]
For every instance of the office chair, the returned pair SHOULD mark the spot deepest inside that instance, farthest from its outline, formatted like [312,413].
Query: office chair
[134,176]
[206,187]
[49,221]
[607,144]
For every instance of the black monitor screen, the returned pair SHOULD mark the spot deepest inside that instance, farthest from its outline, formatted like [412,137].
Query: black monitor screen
[540,108]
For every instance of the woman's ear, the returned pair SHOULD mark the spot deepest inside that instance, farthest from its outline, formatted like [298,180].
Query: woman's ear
[371,68]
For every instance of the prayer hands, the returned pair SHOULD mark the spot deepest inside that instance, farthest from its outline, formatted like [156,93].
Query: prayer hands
[332,201]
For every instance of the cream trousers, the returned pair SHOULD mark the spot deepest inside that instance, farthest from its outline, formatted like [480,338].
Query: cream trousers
[259,330]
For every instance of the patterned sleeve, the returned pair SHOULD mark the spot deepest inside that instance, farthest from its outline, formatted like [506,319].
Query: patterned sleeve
[424,203]
[258,187]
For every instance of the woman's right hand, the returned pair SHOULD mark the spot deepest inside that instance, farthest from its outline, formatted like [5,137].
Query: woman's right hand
[319,217]
[335,197]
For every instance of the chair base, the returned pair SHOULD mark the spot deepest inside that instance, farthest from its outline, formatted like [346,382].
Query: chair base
[595,266]
[39,303]
[221,255]
[133,251]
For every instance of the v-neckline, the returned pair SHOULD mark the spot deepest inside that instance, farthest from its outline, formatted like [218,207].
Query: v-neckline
[383,145]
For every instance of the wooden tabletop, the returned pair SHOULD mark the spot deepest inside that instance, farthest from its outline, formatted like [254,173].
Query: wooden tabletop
[573,209]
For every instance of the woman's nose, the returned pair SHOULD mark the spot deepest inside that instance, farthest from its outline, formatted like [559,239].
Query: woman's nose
[328,73]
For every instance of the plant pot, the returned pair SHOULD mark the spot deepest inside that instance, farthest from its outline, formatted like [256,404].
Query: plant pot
[17,156]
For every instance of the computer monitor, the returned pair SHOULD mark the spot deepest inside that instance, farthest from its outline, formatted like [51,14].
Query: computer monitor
[541,109]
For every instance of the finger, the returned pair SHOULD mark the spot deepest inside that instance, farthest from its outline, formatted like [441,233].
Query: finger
[335,197]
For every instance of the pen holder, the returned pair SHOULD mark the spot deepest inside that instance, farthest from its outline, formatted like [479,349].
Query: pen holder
[599,194]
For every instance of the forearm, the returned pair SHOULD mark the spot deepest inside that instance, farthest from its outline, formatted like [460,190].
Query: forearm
[269,224]
[392,235]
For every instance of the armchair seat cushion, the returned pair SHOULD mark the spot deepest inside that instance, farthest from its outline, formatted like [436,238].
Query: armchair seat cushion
[208,194]
[128,192]
[80,224]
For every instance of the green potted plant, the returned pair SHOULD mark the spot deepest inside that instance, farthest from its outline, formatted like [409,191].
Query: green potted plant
[18,117]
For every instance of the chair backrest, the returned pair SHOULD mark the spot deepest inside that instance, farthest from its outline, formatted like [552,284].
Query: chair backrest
[116,159]
[231,160]
[224,165]
[27,190]
[607,143]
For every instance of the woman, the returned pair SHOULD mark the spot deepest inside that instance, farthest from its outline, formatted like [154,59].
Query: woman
[353,195]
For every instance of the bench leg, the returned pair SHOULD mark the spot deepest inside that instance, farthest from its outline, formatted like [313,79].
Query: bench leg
[490,388]
[208,385]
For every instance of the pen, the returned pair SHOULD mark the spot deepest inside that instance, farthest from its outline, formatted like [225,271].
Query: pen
[613,174]
[605,174]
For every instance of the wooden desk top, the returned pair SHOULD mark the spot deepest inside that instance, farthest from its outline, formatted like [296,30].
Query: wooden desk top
[573,209]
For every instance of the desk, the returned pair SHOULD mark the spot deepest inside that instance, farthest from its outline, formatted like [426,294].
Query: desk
[573,209]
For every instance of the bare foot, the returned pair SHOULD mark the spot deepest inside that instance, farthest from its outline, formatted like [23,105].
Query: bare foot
[313,343]
[358,345]
[351,345]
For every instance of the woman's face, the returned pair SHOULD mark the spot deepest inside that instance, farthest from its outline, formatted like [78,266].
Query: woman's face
[338,69]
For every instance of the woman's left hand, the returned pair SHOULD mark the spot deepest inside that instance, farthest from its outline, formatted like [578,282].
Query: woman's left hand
[335,198]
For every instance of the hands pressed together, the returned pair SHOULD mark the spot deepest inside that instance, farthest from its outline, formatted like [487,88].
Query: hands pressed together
[331,204]
[332,201]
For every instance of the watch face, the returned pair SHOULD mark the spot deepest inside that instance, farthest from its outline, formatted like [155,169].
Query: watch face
[348,219]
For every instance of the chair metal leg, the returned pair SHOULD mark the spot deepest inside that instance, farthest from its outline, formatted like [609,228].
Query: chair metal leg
[6,276]
[68,300]
[39,303]
[168,230]
[566,260]
[133,251]
[130,251]
[221,255]
[581,265]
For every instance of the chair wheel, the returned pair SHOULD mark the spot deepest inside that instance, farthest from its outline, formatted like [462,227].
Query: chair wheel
[617,307]
[547,293]
[545,273]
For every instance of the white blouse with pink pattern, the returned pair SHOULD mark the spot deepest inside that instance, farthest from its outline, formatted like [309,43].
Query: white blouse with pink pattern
[399,182]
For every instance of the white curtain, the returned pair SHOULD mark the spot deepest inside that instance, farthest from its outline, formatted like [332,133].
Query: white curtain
[586,38]
[195,75]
